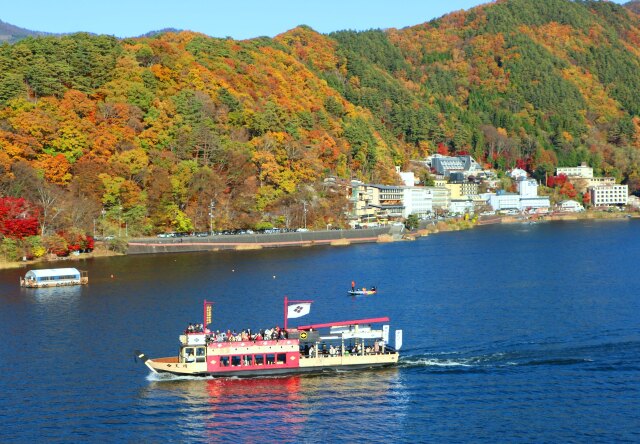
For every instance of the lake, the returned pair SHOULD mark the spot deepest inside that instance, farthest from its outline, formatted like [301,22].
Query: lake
[515,333]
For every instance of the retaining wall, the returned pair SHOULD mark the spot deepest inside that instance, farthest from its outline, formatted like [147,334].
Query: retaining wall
[150,245]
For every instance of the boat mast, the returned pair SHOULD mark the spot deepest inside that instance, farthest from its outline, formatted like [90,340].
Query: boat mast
[286,300]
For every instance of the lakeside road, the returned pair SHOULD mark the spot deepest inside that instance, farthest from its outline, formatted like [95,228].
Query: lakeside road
[154,245]
[258,241]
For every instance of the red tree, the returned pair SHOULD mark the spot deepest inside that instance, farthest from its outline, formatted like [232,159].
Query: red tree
[18,218]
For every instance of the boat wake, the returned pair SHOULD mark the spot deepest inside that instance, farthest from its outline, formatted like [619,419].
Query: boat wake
[600,357]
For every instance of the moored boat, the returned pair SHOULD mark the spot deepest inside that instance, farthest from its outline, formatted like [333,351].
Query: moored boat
[332,346]
[54,277]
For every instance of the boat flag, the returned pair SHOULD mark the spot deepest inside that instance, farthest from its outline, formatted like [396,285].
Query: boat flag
[298,309]
[208,313]
[295,309]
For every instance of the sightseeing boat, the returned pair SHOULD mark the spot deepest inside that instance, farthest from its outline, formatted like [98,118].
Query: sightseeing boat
[345,345]
[54,277]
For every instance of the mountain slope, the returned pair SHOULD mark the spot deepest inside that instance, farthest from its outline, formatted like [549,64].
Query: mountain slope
[158,130]
[10,33]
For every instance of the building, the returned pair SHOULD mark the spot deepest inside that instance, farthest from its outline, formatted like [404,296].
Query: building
[387,201]
[605,195]
[583,171]
[462,206]
[441,198]
[445,165]
[504,201]
[570,206]
[373,203]
[461,190]
[417,200]
[408,177]
[527,198]
[517,174]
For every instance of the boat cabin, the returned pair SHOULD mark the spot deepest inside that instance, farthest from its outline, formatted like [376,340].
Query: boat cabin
[54,277]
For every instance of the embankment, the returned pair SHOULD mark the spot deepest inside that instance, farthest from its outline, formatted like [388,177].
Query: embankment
[151,245]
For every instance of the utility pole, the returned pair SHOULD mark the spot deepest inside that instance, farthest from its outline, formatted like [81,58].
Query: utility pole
[211,208]
[304,205]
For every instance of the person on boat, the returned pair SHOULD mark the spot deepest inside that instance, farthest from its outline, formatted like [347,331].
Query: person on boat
[364,289]
[353,285]
[311,351]
[373,289]
[189,357]
[332,350]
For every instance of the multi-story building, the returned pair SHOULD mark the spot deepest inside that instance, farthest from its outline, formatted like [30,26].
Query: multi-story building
[604,195]
[417,200]
[583,171]
[504,201]
[379,203]
[441,198]
[527,198]
[461,190]
[445,165]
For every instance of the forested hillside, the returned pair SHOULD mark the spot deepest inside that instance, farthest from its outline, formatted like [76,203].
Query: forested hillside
[148,132]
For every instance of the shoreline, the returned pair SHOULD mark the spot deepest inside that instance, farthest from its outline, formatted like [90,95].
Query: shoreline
[97,253]
[434,228]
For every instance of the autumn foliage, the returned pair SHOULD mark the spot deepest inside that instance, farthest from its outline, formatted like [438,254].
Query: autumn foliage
[18,218]
[179,131]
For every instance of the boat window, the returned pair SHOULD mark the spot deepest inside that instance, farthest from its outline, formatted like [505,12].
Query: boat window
[247,360]
[235,361]
[271,359]
[282,358]
[224,361]
[200,354]
[259,359]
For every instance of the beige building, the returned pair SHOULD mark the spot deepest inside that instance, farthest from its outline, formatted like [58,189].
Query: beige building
[582,171]
[462,190]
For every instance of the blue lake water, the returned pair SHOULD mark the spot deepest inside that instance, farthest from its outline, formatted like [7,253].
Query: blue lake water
[521,333]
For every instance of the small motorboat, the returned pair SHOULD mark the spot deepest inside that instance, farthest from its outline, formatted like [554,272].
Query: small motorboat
[362,292]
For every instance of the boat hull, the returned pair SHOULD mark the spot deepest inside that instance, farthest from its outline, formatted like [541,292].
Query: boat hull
[307,366]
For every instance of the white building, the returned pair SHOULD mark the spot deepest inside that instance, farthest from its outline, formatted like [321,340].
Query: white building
[529,199]
[582,171]
[517,174]
[461,206]
[504,201]
[417,200]
[604,195]
[570,206]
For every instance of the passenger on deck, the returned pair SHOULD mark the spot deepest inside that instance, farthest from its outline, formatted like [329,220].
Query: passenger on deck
[311,352]
[189,357]
[332,350]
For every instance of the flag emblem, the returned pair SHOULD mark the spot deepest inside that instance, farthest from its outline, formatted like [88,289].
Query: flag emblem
[298,310]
